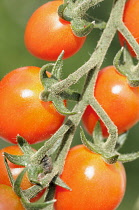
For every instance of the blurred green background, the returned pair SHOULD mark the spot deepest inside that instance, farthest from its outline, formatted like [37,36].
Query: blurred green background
[13,54]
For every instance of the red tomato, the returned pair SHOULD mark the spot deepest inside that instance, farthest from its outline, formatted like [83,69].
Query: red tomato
[46,34]
[22,112]
[117,98]
[131,20]
[95,184]
[15,169]
[8,199]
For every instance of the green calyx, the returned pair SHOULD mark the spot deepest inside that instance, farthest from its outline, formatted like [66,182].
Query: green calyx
[76,13]
[124,65]
[38,169]
[97,145]
[49,81]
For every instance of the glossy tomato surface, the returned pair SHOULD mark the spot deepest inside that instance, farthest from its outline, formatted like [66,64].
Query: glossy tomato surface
[95,184]
[8,199]
[131,21]
[46,34]
[117,98]
[22,112]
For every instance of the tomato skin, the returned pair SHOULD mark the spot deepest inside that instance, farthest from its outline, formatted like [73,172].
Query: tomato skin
[16,170]
[22,112]
[131,21]
[95,184]
[117,98]
[8,199]
[46,35]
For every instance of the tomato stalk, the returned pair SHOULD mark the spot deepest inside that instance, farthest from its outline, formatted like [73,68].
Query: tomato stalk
[98,55]
[127,34]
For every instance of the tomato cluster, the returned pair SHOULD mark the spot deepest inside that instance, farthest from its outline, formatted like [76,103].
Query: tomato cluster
[94,183]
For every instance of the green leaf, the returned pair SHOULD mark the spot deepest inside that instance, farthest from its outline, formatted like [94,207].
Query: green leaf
[81,27]
[128,157]
[18,181]
[9,171]
[57,69]
[43,75]
[59,105]
[98,23]
[121,140]
[17,159]
[61,8]
[97,134]
[33,173]
[70,95]
[32,191]
[36,206]
[24,146]
[127,67]
[58,181]
[88,144]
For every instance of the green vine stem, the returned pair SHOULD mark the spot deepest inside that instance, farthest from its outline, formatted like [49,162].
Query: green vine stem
[128,36]
[95,60]
[79,11]
[94,63]
[100,52]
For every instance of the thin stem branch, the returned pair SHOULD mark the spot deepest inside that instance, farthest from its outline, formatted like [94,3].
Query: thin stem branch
[83,6]
[128,36]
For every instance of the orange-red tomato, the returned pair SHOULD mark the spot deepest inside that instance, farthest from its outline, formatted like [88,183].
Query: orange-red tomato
[22,112]
[8,199]
[15,169]
[46,34]
[117,98]
[95,184]
[131,20]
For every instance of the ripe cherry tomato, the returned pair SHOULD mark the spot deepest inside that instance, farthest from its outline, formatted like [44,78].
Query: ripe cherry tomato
[95,184]
[117,98]
[8,199]
[22,112]
[15,169]
[46,34]
[131,20]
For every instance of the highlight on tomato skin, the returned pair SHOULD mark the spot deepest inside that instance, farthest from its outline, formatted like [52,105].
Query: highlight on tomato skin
[47,35]
[8,199]
[95,184]
[131,21]
[117,98]
[22,111]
